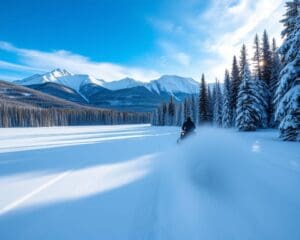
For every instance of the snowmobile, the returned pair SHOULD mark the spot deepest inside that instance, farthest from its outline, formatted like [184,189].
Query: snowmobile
[184,135]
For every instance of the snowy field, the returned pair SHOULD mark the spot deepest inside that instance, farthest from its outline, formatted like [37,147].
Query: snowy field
[134,182]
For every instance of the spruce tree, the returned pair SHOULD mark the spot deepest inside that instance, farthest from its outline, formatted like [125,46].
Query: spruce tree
[171,111]
[257,62]
[227,110]
[235,83]
[210,103]
[243,61]
[218,105]
[247,113]
[203,102]
[276,68]
[187,108]
[261,92]
[267,71]
[288,91]
[164,114]
[266,59]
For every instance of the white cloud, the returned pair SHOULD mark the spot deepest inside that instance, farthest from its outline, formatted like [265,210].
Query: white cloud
[190,42]
[18,67]
[173,55]
[45,61]
[211,38]
[254,17]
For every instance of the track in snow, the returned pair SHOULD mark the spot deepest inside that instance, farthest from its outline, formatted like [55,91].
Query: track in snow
[134,182]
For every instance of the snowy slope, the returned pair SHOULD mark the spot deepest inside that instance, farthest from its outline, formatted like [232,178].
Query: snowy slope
[59,76]
[122,84]
[173,84]
[68,183]
[166,84]
[52,76]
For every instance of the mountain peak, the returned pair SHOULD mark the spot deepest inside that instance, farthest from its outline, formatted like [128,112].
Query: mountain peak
[173,84]
[123,83]
[60,72]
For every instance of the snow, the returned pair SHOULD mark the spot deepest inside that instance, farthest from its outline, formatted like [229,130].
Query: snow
[168,83]
[174,84]
[63,77]
[134,182]
[122,84]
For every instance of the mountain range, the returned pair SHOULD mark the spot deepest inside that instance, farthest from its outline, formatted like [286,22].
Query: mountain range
[126,94]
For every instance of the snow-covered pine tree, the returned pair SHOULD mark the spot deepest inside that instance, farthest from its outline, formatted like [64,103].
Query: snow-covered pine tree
[287,95]
[235,83]
[267,70]
[276,68]
[203,102]
[247,116]
[261,92]
[210,104]
[257,62]
[243,61]
[266,59]
[227,110]
[218,106]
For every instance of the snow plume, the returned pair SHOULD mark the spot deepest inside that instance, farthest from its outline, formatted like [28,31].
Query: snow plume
[40,61]
[216,190]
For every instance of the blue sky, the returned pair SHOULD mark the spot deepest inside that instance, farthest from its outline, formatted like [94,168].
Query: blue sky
[142,39]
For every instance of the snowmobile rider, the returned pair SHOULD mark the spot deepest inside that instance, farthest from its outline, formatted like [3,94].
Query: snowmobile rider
[188,127]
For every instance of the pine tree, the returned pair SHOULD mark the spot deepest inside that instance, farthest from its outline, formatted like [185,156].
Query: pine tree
[267,71]
[243,61]
[210,104]
[187,108]
[171,111]
[266,59]
[276,68]
[203,102]
[288,91]
[235,83]
[164,114]
[257,58]
[227,110]
[261,92]
[247,116]
[218,105]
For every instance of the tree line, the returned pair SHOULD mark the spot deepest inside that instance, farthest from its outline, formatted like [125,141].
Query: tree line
[12,115]
[267,95]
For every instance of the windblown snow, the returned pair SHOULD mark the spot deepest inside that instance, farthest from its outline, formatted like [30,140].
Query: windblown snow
[135,182]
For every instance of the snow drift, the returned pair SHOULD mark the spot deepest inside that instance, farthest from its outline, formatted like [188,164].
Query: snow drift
[220,185]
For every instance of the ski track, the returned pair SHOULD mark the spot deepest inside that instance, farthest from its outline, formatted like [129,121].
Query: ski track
[142,192]
[38,190]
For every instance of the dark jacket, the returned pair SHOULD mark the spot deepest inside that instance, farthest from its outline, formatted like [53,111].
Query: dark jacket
[188,126]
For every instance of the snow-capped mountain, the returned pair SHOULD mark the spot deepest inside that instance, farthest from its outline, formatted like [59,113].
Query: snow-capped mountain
[63,77]
[125,94]
[52,76]
[173,84]
[168,83]
[122,84]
